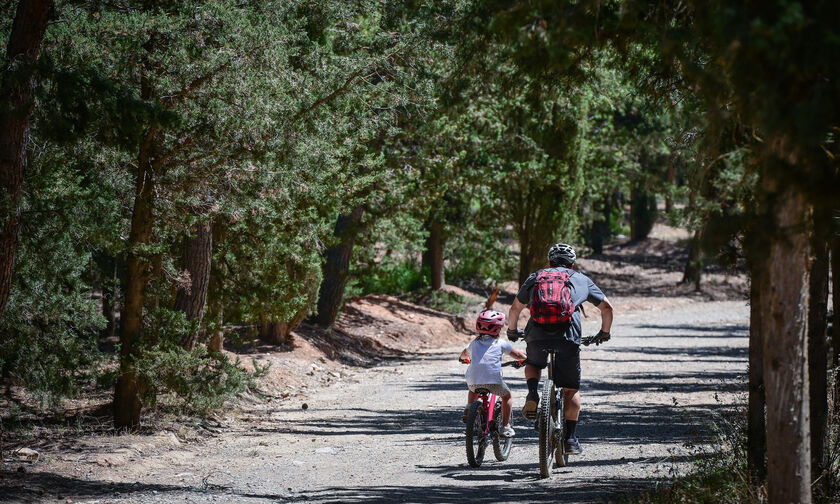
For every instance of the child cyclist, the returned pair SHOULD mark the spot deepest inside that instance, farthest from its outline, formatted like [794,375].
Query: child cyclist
[484,355]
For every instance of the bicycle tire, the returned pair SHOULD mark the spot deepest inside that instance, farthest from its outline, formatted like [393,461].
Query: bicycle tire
[546,428]
[560,455]
[501,446]
[476,441]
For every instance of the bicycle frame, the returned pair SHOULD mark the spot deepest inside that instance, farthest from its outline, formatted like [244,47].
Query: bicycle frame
[488,403]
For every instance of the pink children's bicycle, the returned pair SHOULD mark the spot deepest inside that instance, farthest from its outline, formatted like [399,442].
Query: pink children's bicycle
[484,422]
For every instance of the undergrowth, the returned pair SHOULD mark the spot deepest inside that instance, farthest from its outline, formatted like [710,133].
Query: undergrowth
[719,472]
[444,301]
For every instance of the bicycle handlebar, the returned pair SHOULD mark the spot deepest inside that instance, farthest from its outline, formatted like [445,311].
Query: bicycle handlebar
[515,363]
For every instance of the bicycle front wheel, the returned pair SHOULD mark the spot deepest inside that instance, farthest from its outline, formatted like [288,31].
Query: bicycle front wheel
[546,444]
[476,440]
[501,446]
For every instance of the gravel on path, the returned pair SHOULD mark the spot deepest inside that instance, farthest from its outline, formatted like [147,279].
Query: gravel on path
[393,433]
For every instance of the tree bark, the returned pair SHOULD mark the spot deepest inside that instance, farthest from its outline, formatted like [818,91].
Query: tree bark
[532,257]
[694,265]
[17,86]
[336,267]
[784,329]
[671,177]
[818,351]
[601,228]
[642,213]
[190,299]
[130,389]
[756,434]
[835,300]
[433,256]
[274,333]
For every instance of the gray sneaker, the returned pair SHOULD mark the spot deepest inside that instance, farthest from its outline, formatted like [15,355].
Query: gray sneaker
[572,446]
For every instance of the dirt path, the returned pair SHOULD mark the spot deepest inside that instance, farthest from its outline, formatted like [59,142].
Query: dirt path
[393,433]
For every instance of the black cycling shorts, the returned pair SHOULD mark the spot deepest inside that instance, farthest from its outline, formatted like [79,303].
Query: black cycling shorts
[566,360]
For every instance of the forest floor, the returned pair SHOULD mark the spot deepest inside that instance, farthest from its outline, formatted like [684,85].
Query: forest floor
[370,412]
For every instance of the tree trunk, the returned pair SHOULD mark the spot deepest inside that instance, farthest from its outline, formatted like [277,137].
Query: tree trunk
[601,228]
[756,434]
[190,299]
[694,265]
[16,87]
[336,267]
[130,389]
[671,177]
[532,257]
[270,332]
[818,351]
[784,329]
[835,300]
[642,213]
[433,256]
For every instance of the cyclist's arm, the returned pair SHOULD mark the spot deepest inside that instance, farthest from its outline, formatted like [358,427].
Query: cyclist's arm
[513,314]
[606,315]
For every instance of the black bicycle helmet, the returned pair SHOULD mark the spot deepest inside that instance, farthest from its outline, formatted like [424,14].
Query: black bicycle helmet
[561,254]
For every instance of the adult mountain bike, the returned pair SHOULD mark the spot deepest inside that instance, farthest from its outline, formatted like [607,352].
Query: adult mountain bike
[551,418]
[484,422]
[550,423]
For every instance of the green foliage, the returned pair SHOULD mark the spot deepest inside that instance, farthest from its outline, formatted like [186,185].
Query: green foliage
[480,256]
[192,382]
[446,301]
[387,258]
[50,329]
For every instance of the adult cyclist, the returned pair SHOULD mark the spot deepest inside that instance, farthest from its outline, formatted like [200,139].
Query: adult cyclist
[564,337]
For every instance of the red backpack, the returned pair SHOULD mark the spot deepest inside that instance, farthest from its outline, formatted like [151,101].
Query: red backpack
[551,298]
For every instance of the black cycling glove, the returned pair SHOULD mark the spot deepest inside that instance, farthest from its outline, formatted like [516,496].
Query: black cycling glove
[514,334]
[601,337]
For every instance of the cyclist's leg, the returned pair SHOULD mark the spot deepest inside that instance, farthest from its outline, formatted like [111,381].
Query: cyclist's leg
[471,397]
[507,407]
[572,403]
[534,364]
[507,402]
[532,371]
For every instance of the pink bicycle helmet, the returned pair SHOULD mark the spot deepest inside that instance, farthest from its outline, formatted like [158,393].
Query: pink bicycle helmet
[490,322]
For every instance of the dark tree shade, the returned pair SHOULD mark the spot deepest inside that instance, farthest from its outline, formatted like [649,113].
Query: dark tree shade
[16,88]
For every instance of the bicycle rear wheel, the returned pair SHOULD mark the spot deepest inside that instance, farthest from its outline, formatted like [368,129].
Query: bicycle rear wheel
[546,421]
[476,440]
[560,455]
[501,446]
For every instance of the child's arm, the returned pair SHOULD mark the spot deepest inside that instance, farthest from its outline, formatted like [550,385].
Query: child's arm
[518,355]
[465,356]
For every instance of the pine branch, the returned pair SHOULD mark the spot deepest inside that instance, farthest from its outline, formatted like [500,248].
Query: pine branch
[196,83]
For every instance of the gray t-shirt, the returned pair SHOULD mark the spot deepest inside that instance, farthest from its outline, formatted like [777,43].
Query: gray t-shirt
[583,289]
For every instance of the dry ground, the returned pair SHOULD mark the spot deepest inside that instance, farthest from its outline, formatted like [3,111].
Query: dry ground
[370,412]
